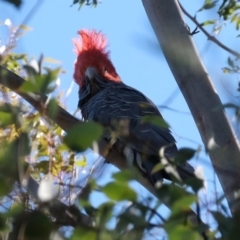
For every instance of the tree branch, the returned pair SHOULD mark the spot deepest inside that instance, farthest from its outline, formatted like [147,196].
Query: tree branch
[67,215]
[209,36]
[66,121]
[200,95]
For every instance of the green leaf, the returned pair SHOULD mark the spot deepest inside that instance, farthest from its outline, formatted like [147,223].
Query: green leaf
[25,27]
[195,183]
[38,226]
[24,144]
[155,120]
[226,70]
[157,168]
[81,136]
[29,86]
[119,191]
[127,218]
[208,4]
[16,3]
[135,215]
[8,114]
[237,23]
[183,155]
[53,107]
[75,2]
[82,162]
[51,60]
[105,212]
[124,176]
[84,199]
[4,227]
[107,234]
[5,186]
[230,62]
[182,232]
[19,56]
[52,74]
[183,203]
[171,193]
[228,227]
[40,84]
[11,156]
[81,2]
[62,147]
[6,118]
[209,22]
[43,166]
[234,17]
[84,233]
[228,8]
[31,71]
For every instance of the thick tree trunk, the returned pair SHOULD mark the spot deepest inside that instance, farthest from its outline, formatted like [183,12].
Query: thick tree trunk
[200,95]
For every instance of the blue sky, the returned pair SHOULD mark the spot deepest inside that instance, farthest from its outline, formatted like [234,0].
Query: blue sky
[134,51]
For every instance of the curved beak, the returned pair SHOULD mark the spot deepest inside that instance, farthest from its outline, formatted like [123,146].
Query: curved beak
[91,72]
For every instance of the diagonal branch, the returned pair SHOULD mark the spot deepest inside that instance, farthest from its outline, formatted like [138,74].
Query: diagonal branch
[67,215]
[66,121]
[209,36]
[200,95]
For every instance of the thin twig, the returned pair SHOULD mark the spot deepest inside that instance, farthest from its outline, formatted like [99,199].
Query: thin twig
[28,17]
[209,36]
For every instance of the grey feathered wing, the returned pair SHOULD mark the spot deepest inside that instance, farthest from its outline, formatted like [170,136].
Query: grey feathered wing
[122,108]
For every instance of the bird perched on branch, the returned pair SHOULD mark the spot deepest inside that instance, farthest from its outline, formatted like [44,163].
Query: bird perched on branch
[104,98]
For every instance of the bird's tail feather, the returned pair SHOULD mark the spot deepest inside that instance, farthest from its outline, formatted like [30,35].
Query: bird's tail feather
[185,172]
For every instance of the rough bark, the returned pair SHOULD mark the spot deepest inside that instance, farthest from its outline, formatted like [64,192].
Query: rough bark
[196,86]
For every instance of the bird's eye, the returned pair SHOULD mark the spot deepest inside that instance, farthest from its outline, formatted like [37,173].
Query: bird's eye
[104,70]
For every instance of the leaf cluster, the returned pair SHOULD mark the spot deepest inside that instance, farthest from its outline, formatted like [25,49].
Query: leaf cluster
[85,2]
[227,10]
